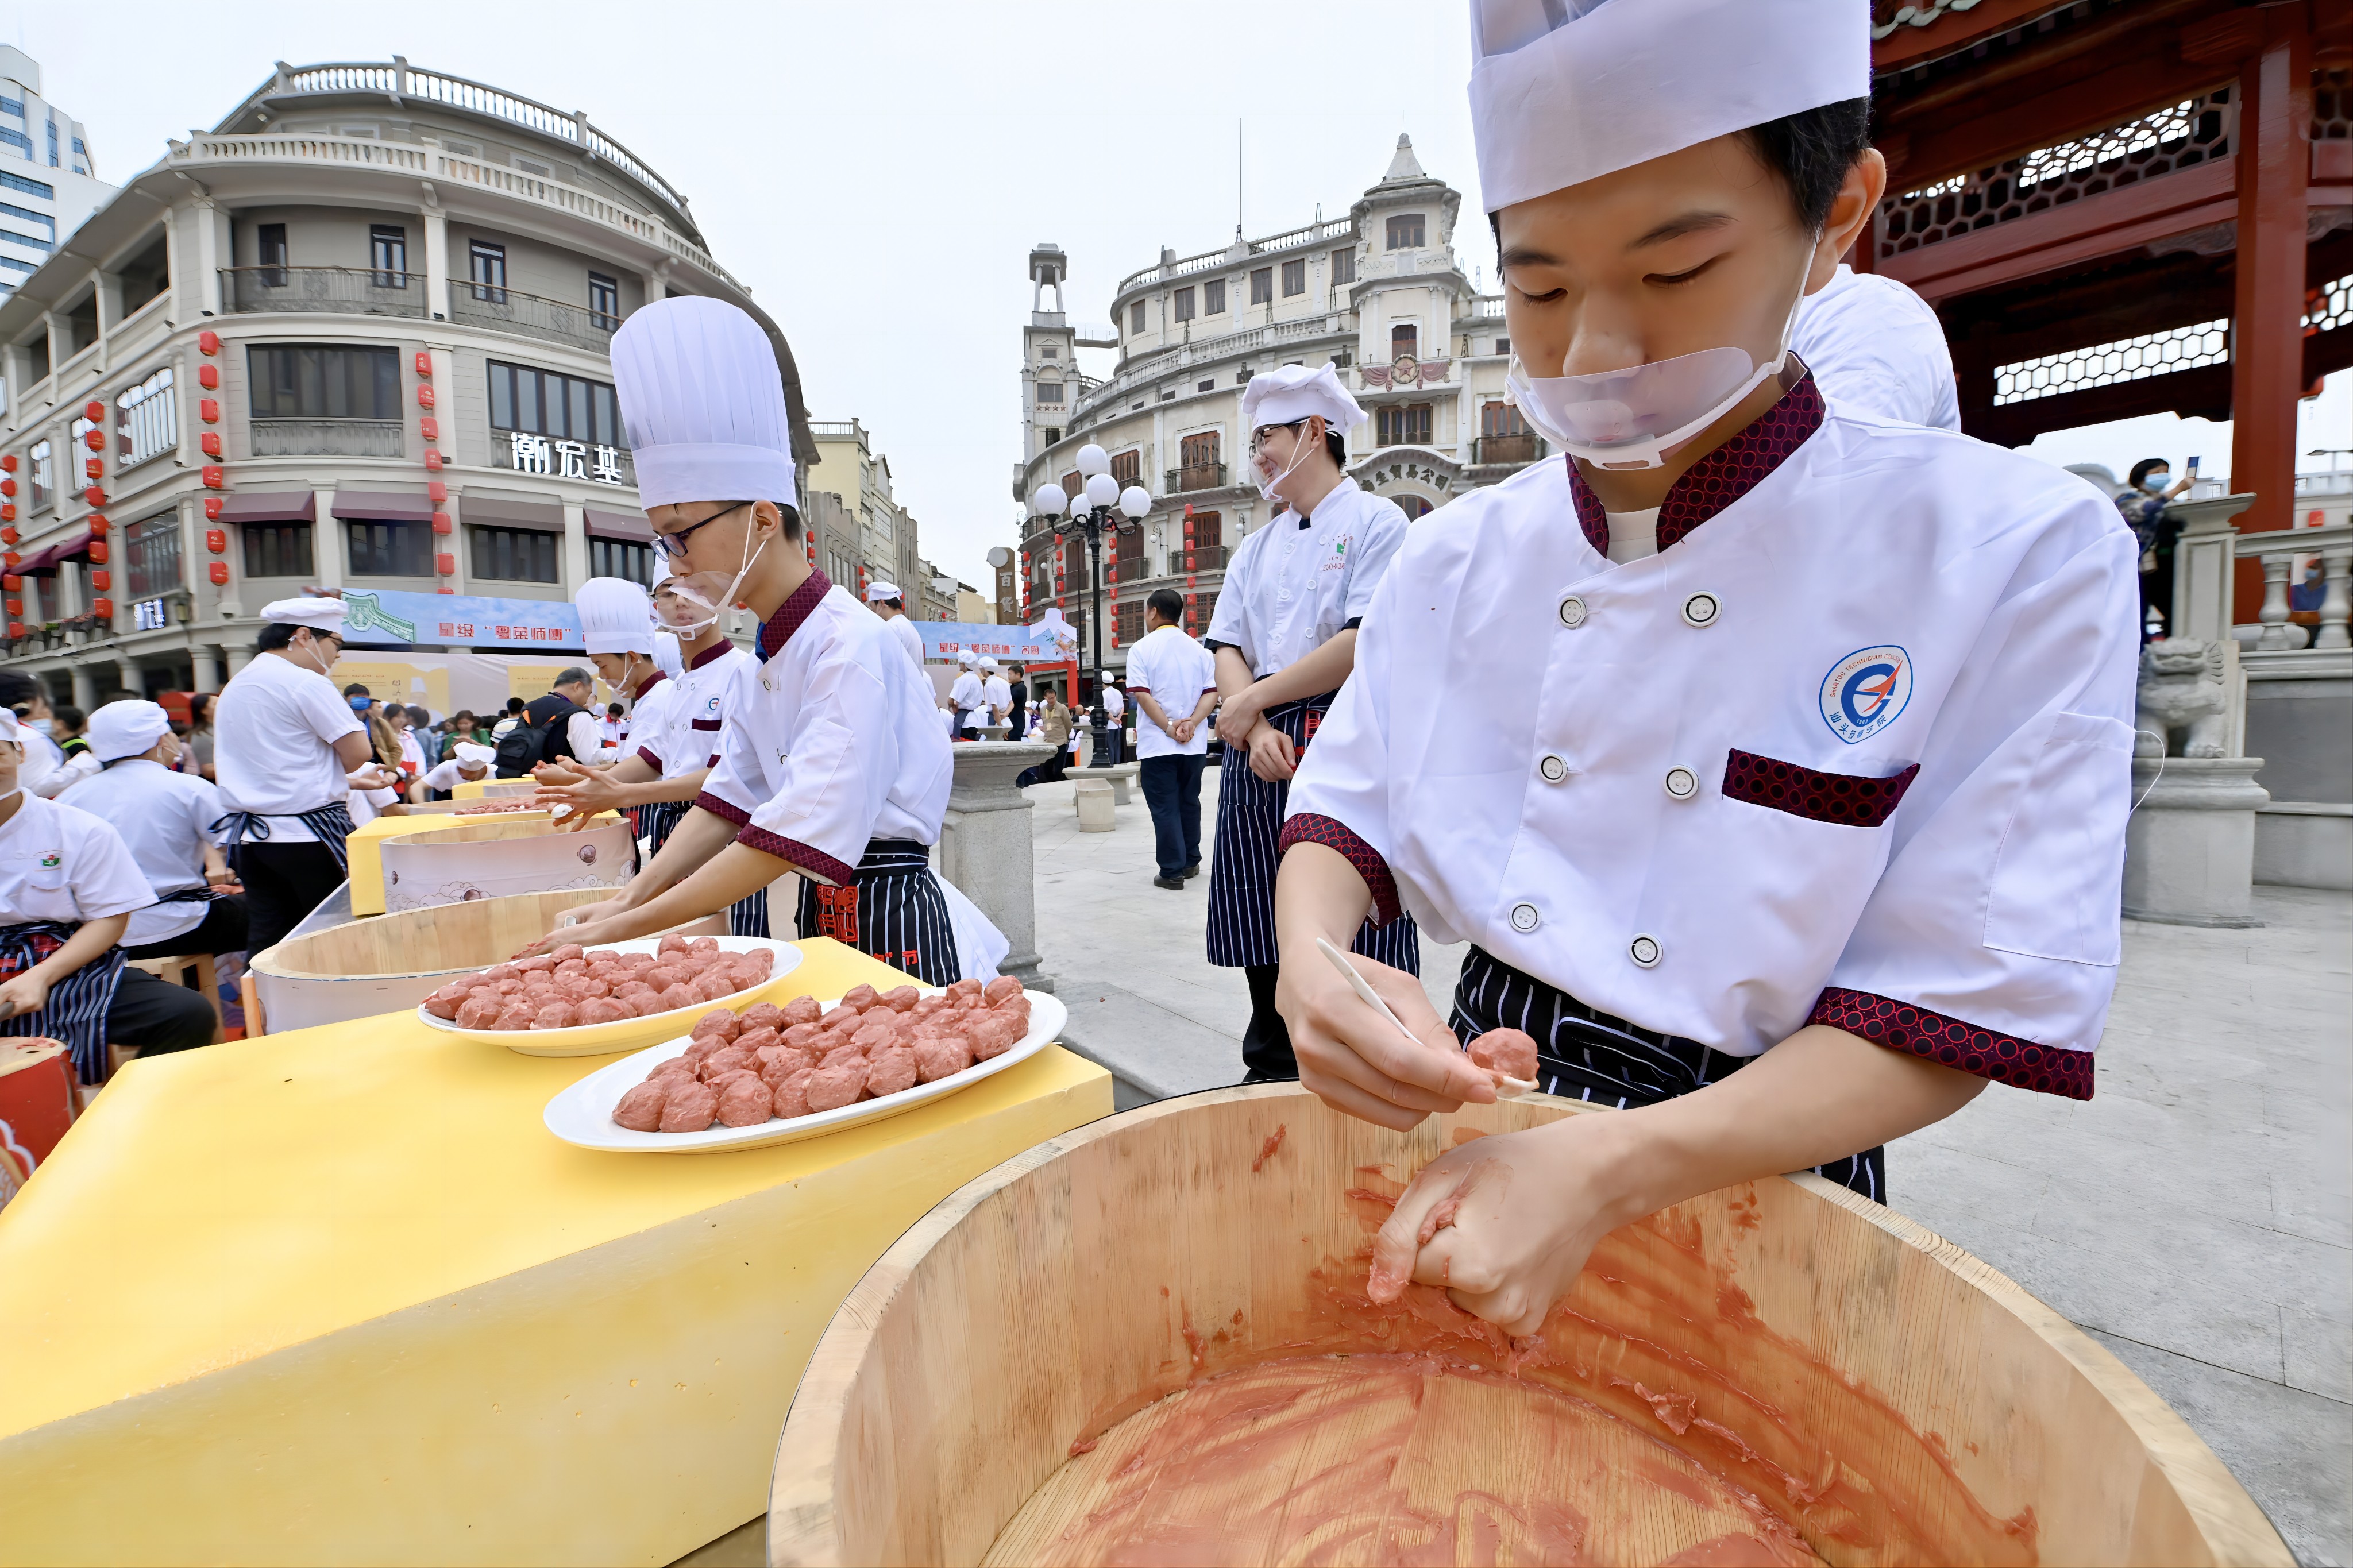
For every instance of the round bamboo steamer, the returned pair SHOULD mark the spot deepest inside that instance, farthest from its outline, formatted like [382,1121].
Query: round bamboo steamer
[494,858]
[1782,1360]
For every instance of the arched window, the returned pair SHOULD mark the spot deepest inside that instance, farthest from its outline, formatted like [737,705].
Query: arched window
[1413,507]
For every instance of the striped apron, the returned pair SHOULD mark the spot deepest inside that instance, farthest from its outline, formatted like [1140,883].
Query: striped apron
[893,910]
[76,1006]
[331,823]
[1587,1055]
[1242,869]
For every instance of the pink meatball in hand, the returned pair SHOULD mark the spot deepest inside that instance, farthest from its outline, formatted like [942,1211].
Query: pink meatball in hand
[1508,1053]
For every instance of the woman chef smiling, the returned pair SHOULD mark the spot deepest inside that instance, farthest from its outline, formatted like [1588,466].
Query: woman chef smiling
[1755,734]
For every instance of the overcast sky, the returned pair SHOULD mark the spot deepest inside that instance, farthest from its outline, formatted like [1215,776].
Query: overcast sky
[878,173]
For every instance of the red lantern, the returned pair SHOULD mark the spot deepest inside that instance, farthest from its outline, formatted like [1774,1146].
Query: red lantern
[429,428]
[98,552]
[16,628]
[94,496]
[103,608]
[94,440]
[441,523]
[93,467]
[10,559]
[93,411]
[437,492]
[212,508]
[8,463]
[208,377]
[208,343]
[15,607]
[215,479]
[216,541]
[423,397]
[424,363]
[7,511]
[209,443]
[432,461]
[7,487]
[102,581]
[445,590]
[218,572]
[208,410]
[11,581]
[446,564]
[98,524]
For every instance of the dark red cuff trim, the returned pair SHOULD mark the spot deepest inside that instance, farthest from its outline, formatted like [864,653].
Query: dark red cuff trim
[1306,827]
[718,807]
[1853,799]
[814,864]
[2004,1059]
[646,752]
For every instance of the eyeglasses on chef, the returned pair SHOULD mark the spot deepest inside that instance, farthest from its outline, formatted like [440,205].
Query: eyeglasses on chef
[1258,437]
[673,545]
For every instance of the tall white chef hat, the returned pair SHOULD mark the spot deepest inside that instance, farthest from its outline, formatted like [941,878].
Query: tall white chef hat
[1295,391]
[127,728]
[667,658]
[1566,90]
[616,616]
[704,405]
[878,592]
[315,611]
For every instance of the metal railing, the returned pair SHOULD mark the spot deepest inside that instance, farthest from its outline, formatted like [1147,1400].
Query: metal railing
[1202,351]
[1524,448]
[512,311]
[1200,558]
[328,438]
[1196,476]
[1313,233]
[340,290]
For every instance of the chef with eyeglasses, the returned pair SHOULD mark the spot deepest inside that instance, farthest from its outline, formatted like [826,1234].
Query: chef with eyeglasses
[1773,757]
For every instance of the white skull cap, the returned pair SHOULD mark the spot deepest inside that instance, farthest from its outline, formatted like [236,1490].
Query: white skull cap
[704,405]
[127,728]
[315,611]
[1295,391]
[1563,91]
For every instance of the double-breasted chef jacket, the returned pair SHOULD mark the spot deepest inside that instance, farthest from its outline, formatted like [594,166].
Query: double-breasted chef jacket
[1299,582]
[1854,748]
[832,739]
[682,731]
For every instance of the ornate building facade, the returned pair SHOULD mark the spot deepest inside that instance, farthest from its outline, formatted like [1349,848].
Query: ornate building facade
[1381,293]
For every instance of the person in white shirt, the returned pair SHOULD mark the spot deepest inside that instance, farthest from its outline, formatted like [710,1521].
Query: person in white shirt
[996,691]
[968,697]
[29,699]
[68,888]
[1114,706]
[1284,635]
[1876,347]
[1788,837]
[886,601]
[165,818]
[1175,681]
[470,763]
[287,751]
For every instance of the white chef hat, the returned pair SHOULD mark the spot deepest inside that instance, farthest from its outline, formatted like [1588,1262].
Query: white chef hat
[1566,90]
[966,658]
[10,730]
[1295,391]
[667,658]
[469,752]
[878,592]
[127,728]
[616,616]
[704,405]
[987,662]
[315,611]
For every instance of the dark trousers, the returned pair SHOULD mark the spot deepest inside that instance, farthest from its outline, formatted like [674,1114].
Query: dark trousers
[1266,1042]
[1172,793]
[283,882]
[158,1016]
[223,929]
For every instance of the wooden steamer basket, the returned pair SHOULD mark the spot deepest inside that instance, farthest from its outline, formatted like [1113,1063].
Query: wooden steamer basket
[1871,1391]
[494,858]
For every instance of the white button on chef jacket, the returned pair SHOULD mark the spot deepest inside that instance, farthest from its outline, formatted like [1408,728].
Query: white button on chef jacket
[1289,589]
[1893,595]
[689,711]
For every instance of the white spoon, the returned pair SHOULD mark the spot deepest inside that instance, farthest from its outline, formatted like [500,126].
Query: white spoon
[1364,989]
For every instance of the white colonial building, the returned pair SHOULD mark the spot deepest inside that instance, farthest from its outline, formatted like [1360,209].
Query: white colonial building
[357,336]
[1381,293]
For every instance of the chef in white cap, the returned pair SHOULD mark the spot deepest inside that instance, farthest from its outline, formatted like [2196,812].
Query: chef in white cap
[165,818]
[1773,758]
[617,626]
[966,696]
[287,751]
[831,764]
[1284,635]
[996,691]
[470,763]
[1876,347]
[68,888]
[886,601]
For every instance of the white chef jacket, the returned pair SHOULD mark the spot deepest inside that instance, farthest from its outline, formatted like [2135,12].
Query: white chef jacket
[1876,347]
[58,862]
[904,630]
[43,756]
[833,741]
[274,730]
[1115,702]
[685,732]
[445,776]
[1298,583]
[1546,750]
[998,692]
[968,693]
[164,820]
[82,764]
[1174,669]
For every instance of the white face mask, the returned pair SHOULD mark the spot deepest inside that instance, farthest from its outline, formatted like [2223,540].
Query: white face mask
[1307,439]
[1632,418]
[704,591]
[40,726]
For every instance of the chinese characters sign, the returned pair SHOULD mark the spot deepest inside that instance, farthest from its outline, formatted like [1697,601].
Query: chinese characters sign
[548,625]
[529,454]
[945,639]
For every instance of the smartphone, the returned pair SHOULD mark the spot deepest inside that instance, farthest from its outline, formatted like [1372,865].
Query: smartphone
[2193,467]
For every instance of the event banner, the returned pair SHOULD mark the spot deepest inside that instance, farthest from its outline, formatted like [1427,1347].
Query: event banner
[1052,639]
[539,626]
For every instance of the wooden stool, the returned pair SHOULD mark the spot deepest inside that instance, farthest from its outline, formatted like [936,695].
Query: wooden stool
[208,980]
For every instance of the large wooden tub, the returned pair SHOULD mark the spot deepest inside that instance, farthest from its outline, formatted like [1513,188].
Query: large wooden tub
[1148,1341]
[489,858]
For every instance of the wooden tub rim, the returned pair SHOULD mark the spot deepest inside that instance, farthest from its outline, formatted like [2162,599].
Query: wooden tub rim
[277,969]
[800,1519]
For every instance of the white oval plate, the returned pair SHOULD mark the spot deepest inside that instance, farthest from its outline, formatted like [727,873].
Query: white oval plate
[632,1033]
[582,1114]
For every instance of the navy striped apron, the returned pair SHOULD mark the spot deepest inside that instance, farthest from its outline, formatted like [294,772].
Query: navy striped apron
[1242,868]
[76,1006]
[1591,1056]
[331,823]
[893,910]
[656,820]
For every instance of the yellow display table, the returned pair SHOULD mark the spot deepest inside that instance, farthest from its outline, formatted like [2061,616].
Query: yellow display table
[338,1296]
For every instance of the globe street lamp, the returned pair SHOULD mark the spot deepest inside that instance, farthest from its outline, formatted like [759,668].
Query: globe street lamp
[1100,505]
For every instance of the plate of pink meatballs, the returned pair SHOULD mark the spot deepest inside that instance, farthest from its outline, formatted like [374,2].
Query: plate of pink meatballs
[580,1002]
[775,1074]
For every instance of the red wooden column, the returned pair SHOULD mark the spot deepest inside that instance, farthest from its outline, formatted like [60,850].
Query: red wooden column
[2274,158]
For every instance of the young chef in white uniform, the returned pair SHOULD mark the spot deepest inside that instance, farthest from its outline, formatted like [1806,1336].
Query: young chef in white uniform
[966,697]
[886,601]
[1284,635]
[1876,347]
[68,885]
[165,818]
[1829,789]
[287,751]
[832,764]
[470,763]
[1175,679]
[996,691]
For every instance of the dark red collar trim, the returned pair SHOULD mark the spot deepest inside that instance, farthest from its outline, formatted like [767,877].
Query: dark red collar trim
[789,615]
[716,651]
[650,681]
[1721,477]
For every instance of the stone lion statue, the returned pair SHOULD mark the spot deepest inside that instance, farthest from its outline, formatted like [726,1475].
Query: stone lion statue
[2181,689]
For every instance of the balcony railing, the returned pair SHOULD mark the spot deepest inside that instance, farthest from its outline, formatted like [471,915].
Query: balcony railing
[337,290]
[1524,448]
[329,438]
[512,311]
[1201,558]
[1196,476]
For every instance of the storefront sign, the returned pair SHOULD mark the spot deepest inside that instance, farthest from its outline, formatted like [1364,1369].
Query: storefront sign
[529,454]
[150,616]
[548,625]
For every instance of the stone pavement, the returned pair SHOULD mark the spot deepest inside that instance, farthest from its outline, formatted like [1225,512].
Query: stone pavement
[2196,1216]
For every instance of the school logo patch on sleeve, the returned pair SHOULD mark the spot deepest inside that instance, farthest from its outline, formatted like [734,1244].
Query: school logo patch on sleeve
[1864,692]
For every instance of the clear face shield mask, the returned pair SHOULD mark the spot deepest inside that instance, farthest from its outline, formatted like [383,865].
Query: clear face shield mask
[705,595]
[1307,436]
[1632,418]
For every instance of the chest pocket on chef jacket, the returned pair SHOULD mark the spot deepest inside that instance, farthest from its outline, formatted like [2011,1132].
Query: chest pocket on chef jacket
[2058,877]
[43,893]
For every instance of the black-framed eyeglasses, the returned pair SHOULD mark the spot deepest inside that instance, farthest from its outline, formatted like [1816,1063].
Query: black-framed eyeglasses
[673,545]
[1258,437]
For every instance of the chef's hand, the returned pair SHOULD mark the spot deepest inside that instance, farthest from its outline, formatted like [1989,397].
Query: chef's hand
[589,795]
[1237,715]
[21,994]
[1503,1224]
[585,925]
[1354,1060]
[554,775]
[1271,755]
[371,775]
